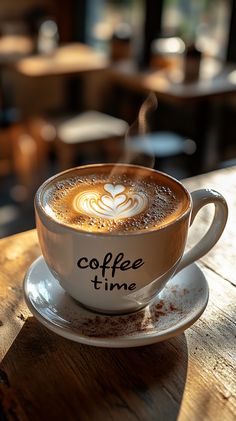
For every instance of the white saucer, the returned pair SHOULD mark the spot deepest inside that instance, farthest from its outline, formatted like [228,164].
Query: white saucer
[176,308]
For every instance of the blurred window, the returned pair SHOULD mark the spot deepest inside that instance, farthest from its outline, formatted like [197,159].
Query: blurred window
[105,16]
[206,22]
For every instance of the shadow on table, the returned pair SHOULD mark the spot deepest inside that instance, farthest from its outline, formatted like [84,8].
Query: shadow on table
[45,376]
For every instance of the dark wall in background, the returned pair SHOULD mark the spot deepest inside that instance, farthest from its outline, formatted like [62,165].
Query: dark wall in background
[152,27]
[231,52]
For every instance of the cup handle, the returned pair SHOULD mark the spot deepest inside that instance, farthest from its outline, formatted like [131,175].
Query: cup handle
[201,198]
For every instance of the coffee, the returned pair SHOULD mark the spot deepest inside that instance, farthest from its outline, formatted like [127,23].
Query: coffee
[116,199]
[113,235]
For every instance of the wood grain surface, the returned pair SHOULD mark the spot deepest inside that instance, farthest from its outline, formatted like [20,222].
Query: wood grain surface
[190,377]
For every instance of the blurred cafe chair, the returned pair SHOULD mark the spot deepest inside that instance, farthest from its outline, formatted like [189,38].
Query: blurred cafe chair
[30,150]
[164,147]
[6,162]
[91,136]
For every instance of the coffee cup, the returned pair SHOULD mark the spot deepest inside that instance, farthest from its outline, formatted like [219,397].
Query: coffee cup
[114,234]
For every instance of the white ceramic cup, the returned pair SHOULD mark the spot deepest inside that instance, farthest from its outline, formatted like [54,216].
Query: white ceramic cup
[122,272]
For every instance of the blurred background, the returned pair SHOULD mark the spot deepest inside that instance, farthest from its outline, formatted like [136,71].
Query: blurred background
[74,81]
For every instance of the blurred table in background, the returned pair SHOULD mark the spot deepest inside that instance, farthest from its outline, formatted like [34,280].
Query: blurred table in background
[217,82]
[13,47]
[67,59]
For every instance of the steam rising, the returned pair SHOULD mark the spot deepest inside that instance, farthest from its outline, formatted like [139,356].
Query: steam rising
[138,130]
[150,104]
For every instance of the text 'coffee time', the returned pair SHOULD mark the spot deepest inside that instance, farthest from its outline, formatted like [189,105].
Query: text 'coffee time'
[110,265]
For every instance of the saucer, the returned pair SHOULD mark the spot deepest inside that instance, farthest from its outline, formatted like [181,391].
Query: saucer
[176,308]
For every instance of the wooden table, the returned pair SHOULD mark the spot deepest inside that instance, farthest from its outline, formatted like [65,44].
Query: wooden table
[192,376]
[14,47]
[217,79]
[216,82]
[67,59]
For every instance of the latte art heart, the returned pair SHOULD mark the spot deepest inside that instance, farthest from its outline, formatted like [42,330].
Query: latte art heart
[117,204]
[114,190]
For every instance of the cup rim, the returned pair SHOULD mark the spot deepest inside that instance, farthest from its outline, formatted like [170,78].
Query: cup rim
[46,217]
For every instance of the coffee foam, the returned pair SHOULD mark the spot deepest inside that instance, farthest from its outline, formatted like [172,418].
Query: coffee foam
[116,202]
